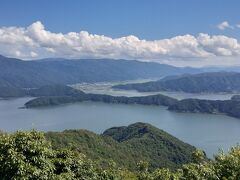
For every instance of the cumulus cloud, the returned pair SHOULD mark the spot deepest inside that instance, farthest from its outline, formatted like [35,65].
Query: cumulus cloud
[224,25]
[35,42]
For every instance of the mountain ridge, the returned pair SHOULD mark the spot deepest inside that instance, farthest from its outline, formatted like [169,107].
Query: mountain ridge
[145,142]
[36,73]
[208,82]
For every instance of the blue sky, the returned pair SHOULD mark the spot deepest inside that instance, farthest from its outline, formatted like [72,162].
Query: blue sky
[177,32]
[148,19]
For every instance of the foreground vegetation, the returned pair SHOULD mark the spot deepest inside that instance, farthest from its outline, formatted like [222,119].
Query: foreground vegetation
[28,155]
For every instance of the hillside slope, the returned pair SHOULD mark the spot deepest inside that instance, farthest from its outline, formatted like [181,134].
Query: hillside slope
[127,145]
[32,74]
[53,90]
[197,83]
[228,107]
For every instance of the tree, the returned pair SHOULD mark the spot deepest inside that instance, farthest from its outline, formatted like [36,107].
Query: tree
[25,155]
[29,156]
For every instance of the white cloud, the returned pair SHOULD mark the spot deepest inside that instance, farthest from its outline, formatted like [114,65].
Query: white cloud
[224,25]
[36,42]
[238,25]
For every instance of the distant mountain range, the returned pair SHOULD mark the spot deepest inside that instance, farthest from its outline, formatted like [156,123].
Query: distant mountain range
[36,73]
[17,75]
[213,82]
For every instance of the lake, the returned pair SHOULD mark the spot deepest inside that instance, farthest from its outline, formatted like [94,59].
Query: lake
[208,132]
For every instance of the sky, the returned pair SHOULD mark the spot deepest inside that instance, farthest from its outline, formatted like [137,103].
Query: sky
[181,33]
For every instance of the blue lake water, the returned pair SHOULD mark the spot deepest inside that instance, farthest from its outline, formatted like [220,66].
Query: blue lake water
[208,132]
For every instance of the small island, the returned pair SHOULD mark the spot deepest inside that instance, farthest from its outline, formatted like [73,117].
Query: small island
[49,97]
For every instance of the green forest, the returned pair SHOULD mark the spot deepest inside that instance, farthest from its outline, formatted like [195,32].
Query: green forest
[80,154]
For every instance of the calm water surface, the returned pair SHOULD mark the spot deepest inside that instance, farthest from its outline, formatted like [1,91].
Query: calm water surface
[209,132]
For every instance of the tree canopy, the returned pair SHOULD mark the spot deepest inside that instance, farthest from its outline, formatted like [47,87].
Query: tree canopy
[29,156]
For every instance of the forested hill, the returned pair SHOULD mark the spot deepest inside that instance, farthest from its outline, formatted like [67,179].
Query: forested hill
[60,94]
[196,83]
[29,155]
[58,100]
[36,73]
[43,91]
[228,107]
[126,145]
